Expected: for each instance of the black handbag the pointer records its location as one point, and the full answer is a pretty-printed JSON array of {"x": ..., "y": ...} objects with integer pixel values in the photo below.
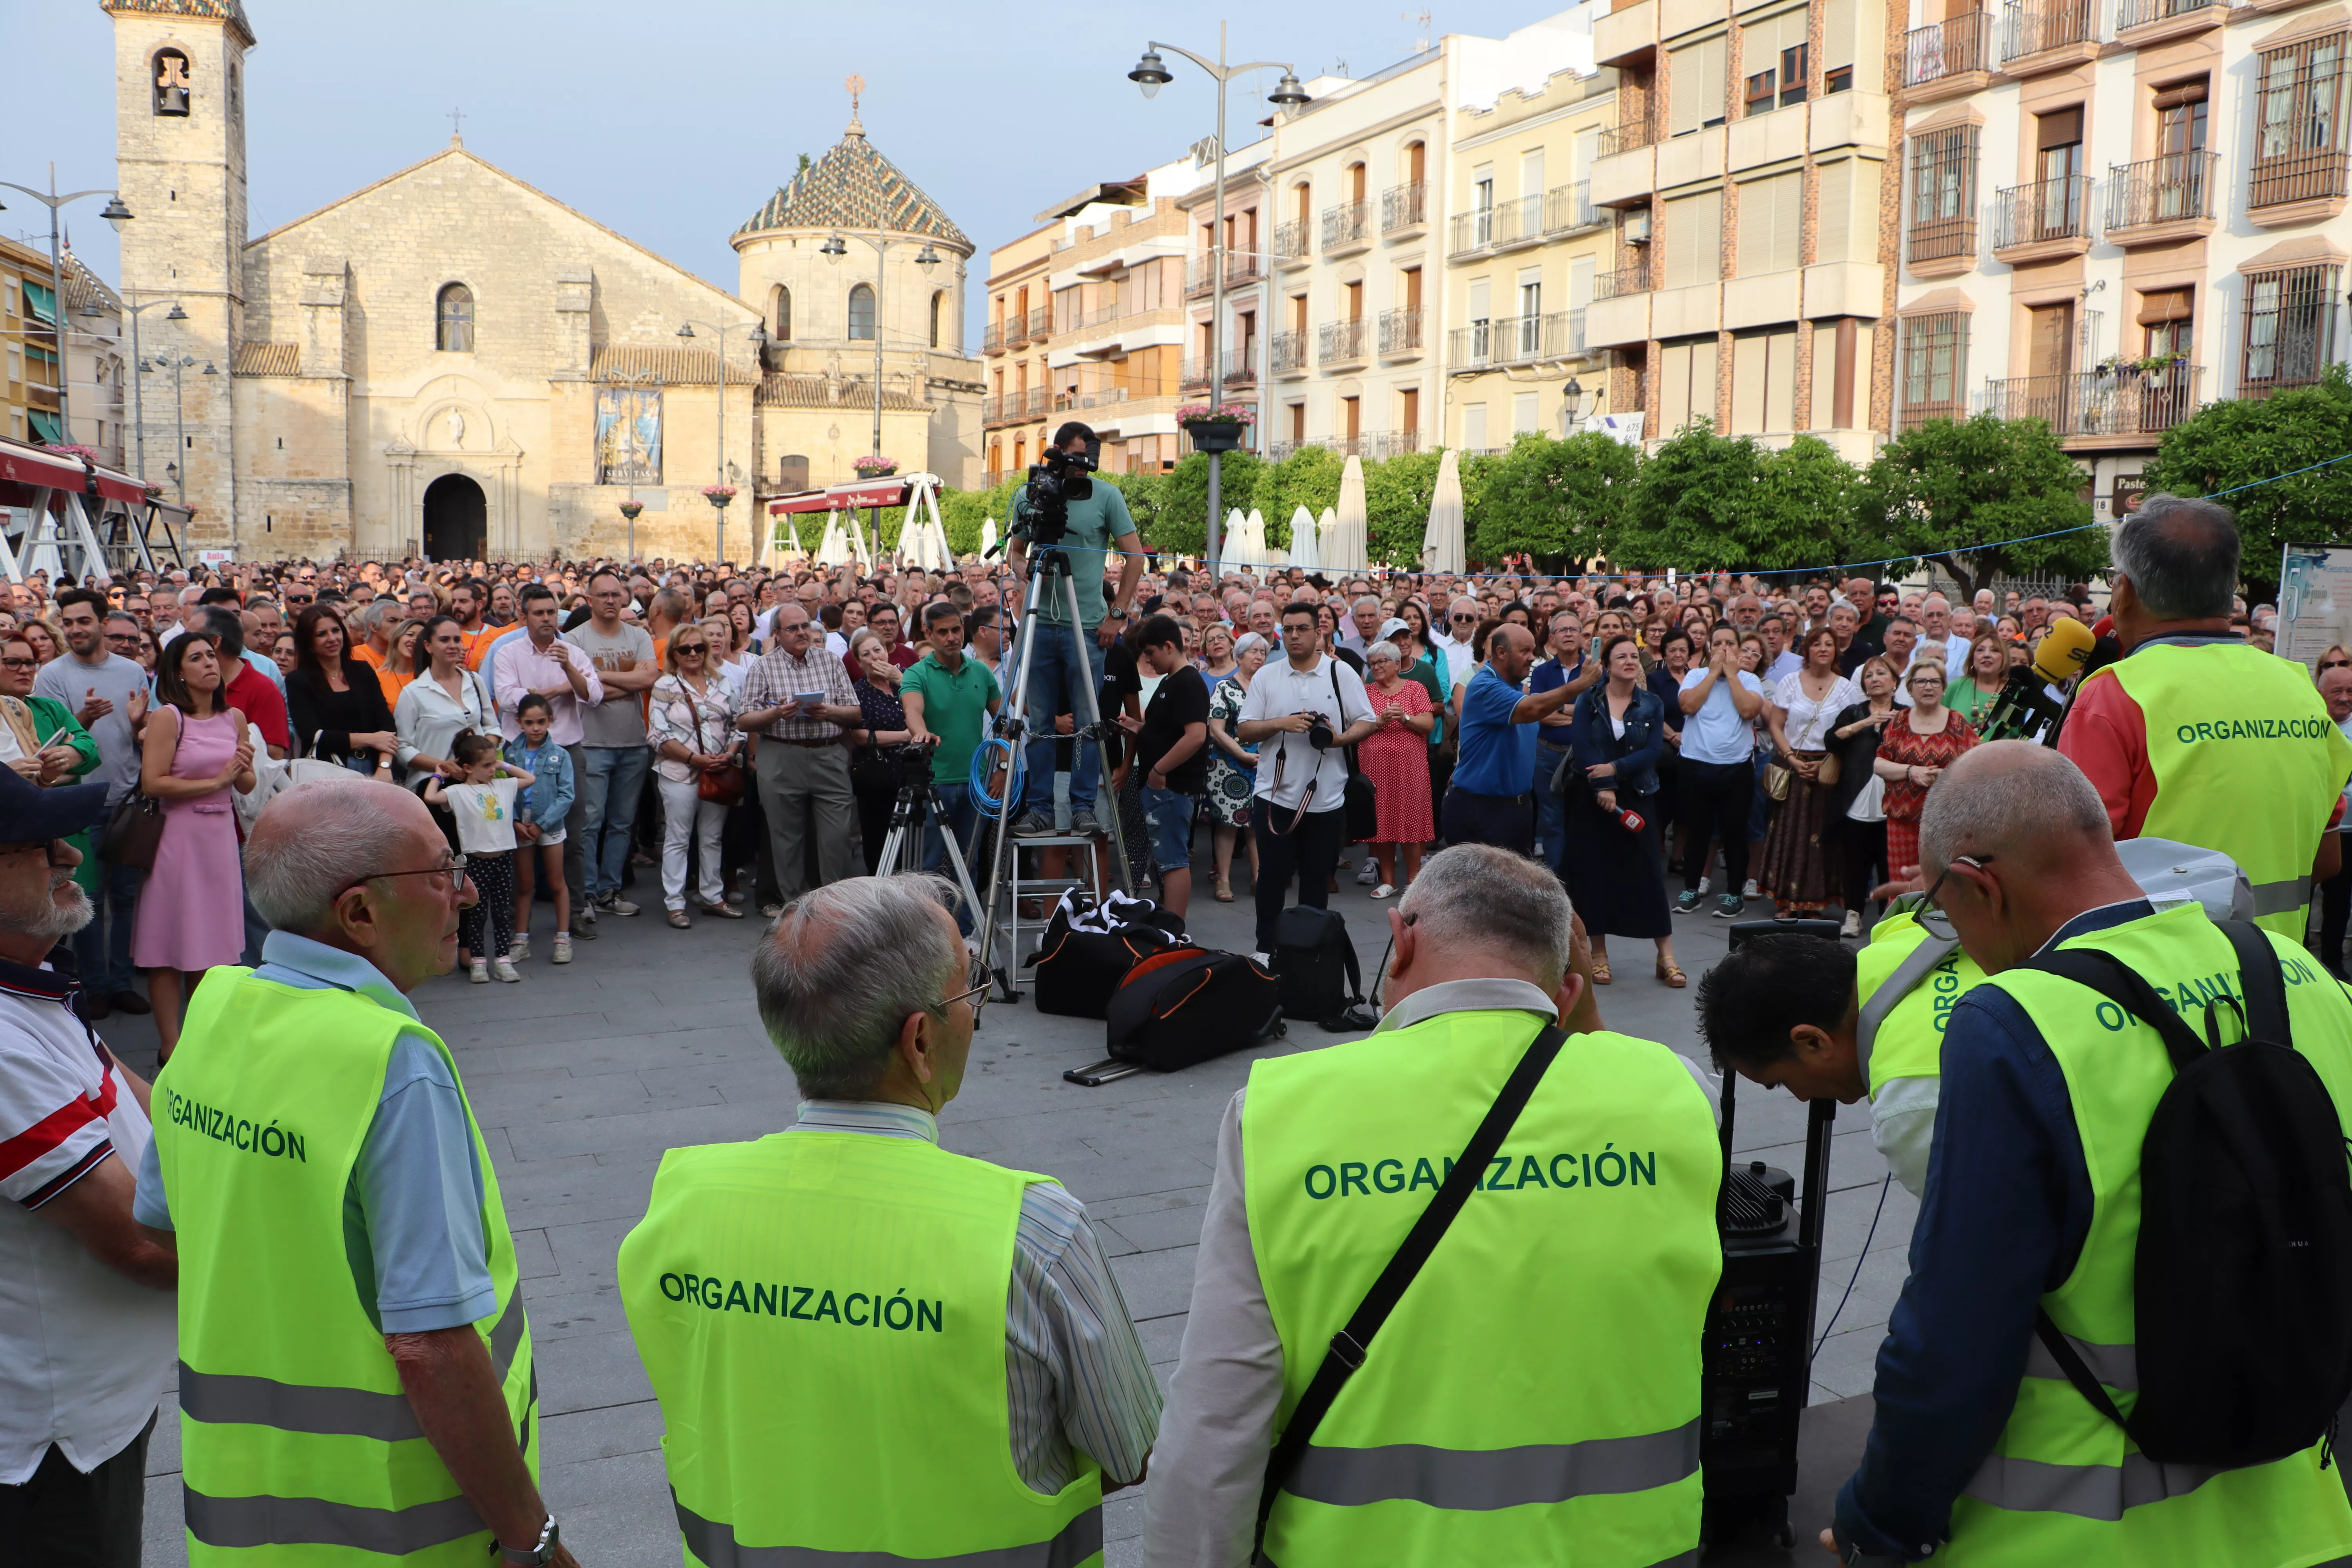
[
  {"x": 1362, "y": 813},
  {"x": 134, "y": 828}
]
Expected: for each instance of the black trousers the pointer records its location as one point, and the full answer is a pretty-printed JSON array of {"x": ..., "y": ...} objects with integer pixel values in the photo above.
[
  {"x": 1506, "y": 821},
  {"x": 1311, "y": 850},
  {"x": 487, "y": 930},
  {"x": 61, "y": 1518},
  {"x": 1717, "y": 799},
  {"x": 2336, "y": 914},
  {"x": 1865, "y": 861}
]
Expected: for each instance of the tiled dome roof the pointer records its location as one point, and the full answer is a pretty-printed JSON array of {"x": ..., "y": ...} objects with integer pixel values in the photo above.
[
  {"x": 229, "y": 11},
  {"x": 852, "y": 186}
]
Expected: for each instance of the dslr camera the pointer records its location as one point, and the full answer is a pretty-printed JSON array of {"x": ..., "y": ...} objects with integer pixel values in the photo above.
[
  {"x": 1318, "y": 732},
  {"x": 1053, "y": 484}
]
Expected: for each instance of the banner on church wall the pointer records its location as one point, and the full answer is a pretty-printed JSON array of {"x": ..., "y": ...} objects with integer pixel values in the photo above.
[{"x": 629, "y": 435}]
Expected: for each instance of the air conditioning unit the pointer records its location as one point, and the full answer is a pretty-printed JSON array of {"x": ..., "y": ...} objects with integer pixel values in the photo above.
[{"x": 1637, "y": 226}]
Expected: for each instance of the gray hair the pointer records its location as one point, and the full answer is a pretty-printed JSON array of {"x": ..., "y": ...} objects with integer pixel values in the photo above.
[
  {"x": 2004, "y": 795},
  {"x": 1480, "y": 897},
  {"x": 1376, "y": 651},
  {"x": 315, "y": 840},
  {"x": 380, "y": 613},
  {"x": 2181, "y": 555},
  {"x": 841, "y": 969},
  {"x": 1248, "y": 641}
]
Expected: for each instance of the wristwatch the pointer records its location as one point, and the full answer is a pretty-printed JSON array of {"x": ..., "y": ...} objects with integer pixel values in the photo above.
[{"x": 533, "y": 1556}]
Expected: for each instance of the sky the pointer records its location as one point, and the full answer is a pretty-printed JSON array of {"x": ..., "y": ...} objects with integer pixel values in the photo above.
[{"x": 672, "y": 122}]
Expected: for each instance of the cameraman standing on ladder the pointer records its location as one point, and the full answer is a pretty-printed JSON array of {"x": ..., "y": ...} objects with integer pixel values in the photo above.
[{"x": 1097, "y": 524}]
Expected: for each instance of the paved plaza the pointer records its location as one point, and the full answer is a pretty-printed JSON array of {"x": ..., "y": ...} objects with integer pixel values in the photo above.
[{"x": 582, "y": 1076}]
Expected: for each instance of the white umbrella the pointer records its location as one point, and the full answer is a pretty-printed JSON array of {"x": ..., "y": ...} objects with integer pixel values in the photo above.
[
  {"x": 1268, "y": 556},
  {"x": 830, "y": 550},
  {"x": 1237, "y": 553},
  {"x": 1442, "y": 545},
  {"x": 1348, "y": 547},
  {"x": 1305, "y": 552},
  {"x": 987, "y": 535},
  {"x": 1325, "y": 527}
]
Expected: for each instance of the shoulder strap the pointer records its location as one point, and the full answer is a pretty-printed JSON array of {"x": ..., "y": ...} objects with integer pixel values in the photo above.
[
  {"x": 1352, "y": 1344},
  {"x": 1913, "y": 968},
  {"x": 2262, "y": 982}
]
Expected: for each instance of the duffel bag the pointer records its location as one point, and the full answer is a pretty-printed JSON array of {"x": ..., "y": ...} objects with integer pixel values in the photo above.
[{"x": 1187, "y": 1005}]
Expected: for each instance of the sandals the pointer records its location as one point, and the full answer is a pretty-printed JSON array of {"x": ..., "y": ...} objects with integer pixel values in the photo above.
[
  {"x": 1601, "y": 969},
  {"x": 1225, "y": 891},
  {"x": 1672, "y": 976},
  {"x": 1385, "y": 891}
]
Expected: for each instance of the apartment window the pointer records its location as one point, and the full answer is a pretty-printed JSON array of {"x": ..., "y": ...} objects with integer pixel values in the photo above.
[
  {"x": 1298, "y": 312},
  {"x": 2169, "y": 317},
  {"x": 1695, "y": 83},
  {"x": 1686, "y": 383},
  {"x": 1473, "y": 427},
  {"x": 1694, "y": 239},
  {"x": 2299, "y": 152},
  {"x": 2180, "y": 113},
  {"x": 2058, "y": 144},
  {"x": 1841, "y": 44},
  {"x": 1410, "y": 287},
  {"x": 1777, "y": 58},
  {"x": 1848, "y": 225},
  {"x": 2290, "y": 327},
  {"x": 1944, "y": 194},
  {"x": 1297, "y": 424},
  {"x": 1351, "y": 415},
  {"x": 1842, "y": 351},
  {"x": 1352, "y": 296},
  {"x": 1770, "y": 219},
  {"x": 1935, "y": 367},
  {"x": 1761, "y": 87},
  {"x": 1764, "y": 382},
  {"x": 1408, "y": 411},
  {"x": 1838, "y": 78}
]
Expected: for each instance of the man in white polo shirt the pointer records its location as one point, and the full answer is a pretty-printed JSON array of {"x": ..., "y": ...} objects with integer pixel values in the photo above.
[{"x": 86, "y": 1336}]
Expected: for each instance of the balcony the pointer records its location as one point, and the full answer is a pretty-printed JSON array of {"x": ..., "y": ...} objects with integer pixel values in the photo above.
[
  {"x": 1196, "y": 374},
  {"x": 2118, "y": 407},
  {"x": 1346, "y": 227},
  {"x": 1624, "y": 281},
  {"x": 1400, "y": 333},
  {"x": 1200, "y": 277},
  {"x": 1626, "y": 137},
  {"x": 1403, "y": 208},
  {"x": 1065, "y": 401},
  {"x": 1517, "y": 339},
  {"x": 2162, "y": 199},
  {"x": 2048, "y": 35},
  {"x": 1947, "y": 59},
  {"x": 1289, "y": 354},
  {"x": 1014, "y": 407},
  {"x": 992, "y": 342},
  {"x": 1290, "y": 243},
  {"x": 1040, "y": 322},
  {"x": 1942, "y": 246},
  {"x": 2042, "y": 222},
  {"x": 1016, "y": 332},
  {"x": 1243, "y": 268},
  {"x": 1626, "y": 36},
  {"x": 1506, "y": 225},
  {"x": 1568, "y": 208},
  {"x": 1341, "y": 343},
  {"x": 2143, "y": 22},
  {"x": 2297, "y": 186}
]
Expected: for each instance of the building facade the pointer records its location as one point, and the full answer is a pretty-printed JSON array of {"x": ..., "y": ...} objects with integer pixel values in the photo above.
[{"x": 451, "y": 362}]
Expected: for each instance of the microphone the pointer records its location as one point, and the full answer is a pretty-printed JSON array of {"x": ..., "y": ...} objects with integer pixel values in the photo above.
[
  {"x": 2024, "y": 711},
  {"x": 2066, "y": 648}
]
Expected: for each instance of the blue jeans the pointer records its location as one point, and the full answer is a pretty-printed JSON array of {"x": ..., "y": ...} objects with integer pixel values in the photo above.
[
  {"x": 1055, "y": 686},
  {"x": 1552, "y": 811},
  {"x": 104, "y": 958},
  {"x": 610, "y": 784},
  {"x": 1170, "y": 816}
]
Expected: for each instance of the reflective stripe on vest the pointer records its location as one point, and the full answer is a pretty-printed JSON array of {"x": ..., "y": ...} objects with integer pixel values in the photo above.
[
  {"x": 714, "y": 1546},
  {"x": 1475, "y": 1478},
  {"x": 2118, "y": 1366},
  {"x": 2282, "y": 898},
  {"x": 260, "y": 1521},
  {"x": 1931, "y": 951},
  {"x": 2088, "y": 1491}
]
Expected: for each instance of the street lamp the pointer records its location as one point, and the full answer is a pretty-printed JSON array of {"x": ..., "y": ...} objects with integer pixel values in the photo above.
[
  {"x": 759, "y": 336},
  {"x": 114, "y": 212},
  {"x": 1152, "y": 74},
  {"x": 138, "y": 387},
  {"x": 1571, "y": 407},
  {"x": 172, "y": 469},
  {"x": 833, "y": 250}
]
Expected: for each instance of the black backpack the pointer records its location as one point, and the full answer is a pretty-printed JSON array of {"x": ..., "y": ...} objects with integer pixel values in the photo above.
[
  {"x": 1316, "y": 963},
  {"x": 1188, "y": 1005},
  {"x": 1079, "y": 969},
  {"x": 2243, "y": 1288}
]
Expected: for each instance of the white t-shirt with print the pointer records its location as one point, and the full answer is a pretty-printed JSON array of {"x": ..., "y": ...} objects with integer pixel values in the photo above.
[{"x": 484, "y": 814}]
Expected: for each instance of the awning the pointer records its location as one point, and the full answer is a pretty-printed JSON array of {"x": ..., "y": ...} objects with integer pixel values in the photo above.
[
  {"x": 808, "y": 501},
  {"x": 43, "y": 301},
  {"x": 891, "y": 492},
  {"x": 119, "y": 487},
  {"x": 48, "y": 428}
]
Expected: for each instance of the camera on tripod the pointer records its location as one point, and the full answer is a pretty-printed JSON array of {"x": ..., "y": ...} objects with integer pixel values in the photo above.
[
  {"x": 913, "y": 761},
  {"x": 1053, "y": 484}
]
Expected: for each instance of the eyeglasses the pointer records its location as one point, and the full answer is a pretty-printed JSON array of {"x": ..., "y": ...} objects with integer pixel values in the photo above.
[
  {"x": 693, "y": 647},
  {"x": 20, "y": 663},
  {"x": 1460, "y": 617},
  {"x": 2336, "y": 664},
  {"x": 453, "y": 868},
  {"x": 975, "y": 992},
  {"x": 1931, "y": 915}
]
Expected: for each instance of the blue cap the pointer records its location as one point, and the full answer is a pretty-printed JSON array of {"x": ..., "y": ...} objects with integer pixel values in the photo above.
[{"x": 31, "y": 815}]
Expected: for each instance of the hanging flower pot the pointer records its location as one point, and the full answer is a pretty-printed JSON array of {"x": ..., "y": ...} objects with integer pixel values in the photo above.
[
  {"x": 630, "y": 509},
  {"x": 876, "y": 467},
  {"x": 1216, "y": 429},
  {"x": 719, "y": 495}
]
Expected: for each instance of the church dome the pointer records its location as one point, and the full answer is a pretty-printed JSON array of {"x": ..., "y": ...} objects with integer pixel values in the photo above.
[{"x": 853, "y": 186}]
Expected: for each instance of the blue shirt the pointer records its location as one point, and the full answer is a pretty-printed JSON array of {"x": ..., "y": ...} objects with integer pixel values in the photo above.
[
  {"x": 2007, "y": 1210},
  {"x": 413, "y": 1210},
  {"x": 1497, "y": 756},
  {"x": 1550, "y": 676}
]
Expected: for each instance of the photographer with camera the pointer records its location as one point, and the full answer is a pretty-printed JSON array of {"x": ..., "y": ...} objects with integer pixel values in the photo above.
[{"x": 1061, "y": 509}]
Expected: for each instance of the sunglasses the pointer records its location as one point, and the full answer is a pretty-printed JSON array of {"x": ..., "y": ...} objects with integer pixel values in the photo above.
[
  {"x": 693, "y": 647},
  {"x": 2336, "y": 664}
]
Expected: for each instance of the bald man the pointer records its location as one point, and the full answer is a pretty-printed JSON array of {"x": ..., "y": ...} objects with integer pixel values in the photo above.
[
  {"x": 2032, "y": 1206},
  {"x": 1488, "y": 801}
]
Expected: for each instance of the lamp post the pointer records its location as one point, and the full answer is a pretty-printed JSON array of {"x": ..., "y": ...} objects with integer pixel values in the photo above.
[
  {"x": 833, "y": 250},
  {"x": 116, "y": 214},
  {"x": 138, "y": 387},
  {"x": 1152, "y": 74},
  {"x": 1571, "y": 407},
  {"x": 759, "y": 335},
  {"x": 176, "y": 469}
]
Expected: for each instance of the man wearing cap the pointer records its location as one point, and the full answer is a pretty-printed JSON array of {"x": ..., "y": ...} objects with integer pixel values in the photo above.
[{"x": 86, "y": 1309}]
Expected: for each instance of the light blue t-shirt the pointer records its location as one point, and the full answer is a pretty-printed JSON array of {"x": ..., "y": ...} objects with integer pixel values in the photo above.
[
  {"x": 1497, "y": 756},
  {"x": 1717, "y": 733},
  {"x": 413, "y": 1210}
]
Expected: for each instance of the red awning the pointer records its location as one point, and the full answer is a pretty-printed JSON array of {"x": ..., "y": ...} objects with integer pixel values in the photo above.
[
  {"x": 808, "y": 501},
  {"x": 36, "y": 469},
  {"x": 891, "y": 492},
  {"x": 120, "y": 487}
]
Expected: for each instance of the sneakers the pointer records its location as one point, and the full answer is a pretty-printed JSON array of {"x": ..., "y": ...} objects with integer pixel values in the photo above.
[
  {"x": 614, "y": 904},
  {"x": 519, "y": 949},
  {"x": 1687, "y": 901},
  {"x": 480, "y": 972},
  {"x": 1750, "y": 890},
  {"x": 1085, "y": 822},
  {"x": 583, "y": 923},
  {"x": 1853, "y": 926},
  {"x": 1704, "y": 884},
  {"x": 1369, "y": 875},
  {"x": 1034, "y": 825},
  {"x": 562, "y": 948},
  {"x": 504, "y": 970},
  {"x": 1730, "y": 907}
]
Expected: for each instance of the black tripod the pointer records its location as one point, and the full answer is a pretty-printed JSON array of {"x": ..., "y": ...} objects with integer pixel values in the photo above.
[{"x": 919, "y": 805}]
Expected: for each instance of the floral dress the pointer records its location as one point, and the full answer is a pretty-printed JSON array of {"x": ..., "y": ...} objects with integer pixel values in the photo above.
[{"x": 1230, "y": 784}]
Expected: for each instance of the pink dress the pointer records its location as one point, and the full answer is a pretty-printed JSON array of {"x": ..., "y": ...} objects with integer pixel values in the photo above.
[{"x": 192, "y": 910}]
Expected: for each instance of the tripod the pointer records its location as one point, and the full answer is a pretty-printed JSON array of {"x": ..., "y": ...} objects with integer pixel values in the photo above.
[
  {"x": 1053, "y": 565},
  {"x": 919, "y": 803}
]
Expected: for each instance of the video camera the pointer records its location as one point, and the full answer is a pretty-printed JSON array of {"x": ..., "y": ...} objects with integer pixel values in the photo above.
[
  {"x": 1053, "y": 485},
  {"x": 913, "y": 761}
]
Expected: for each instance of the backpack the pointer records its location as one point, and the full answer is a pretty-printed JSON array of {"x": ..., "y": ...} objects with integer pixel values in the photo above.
[
  {"x": 2243, "y": 1284},
  {"x": 1187, "y": 1005},
  {"x": 1316, "y": 965},
  {"x": 1088, "y": 950}
]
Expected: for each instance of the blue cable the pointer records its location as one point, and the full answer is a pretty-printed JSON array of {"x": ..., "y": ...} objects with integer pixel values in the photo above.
[{"x": 983, "y": 768}]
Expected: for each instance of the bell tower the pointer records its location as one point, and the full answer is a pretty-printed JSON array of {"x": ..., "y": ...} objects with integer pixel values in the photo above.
[{"x": 179, "y": 137}]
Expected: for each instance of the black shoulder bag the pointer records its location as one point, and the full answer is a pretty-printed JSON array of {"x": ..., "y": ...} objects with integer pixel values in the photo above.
[
  {"x": 1353, "y": 1344},
  {"x": 1362, "y": 816}
]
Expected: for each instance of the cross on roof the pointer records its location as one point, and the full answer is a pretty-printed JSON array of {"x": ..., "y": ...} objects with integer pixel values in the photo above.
[
  {"x": 856, "y": 85},
  {"x": 455, "y": 130}
]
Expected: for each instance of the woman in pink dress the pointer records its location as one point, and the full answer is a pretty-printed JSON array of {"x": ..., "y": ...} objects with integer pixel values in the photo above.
[
  {"x": 192, "y": 910},
  {"x": 1395, "y": 757}
]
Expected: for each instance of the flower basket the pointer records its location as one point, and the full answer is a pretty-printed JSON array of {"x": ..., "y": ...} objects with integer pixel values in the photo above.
[
  {"x": 875, "y": 468},
  {"x": 630, "y": 509},
  {"x": 719, "y": 495},
  {"x": 1216, "y": 429}
]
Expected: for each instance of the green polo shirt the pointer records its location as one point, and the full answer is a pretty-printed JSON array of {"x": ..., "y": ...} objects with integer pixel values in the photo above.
[{"x": 955, "y": 709}]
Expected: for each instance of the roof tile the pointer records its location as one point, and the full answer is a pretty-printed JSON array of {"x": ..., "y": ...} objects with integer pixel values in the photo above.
[{"x": 853, "y": 186}]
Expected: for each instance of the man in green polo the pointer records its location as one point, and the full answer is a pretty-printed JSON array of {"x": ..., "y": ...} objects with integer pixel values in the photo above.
[{"x": 948, "y": 698}]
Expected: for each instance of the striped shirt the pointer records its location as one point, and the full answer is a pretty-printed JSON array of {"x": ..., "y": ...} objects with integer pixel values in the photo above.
[{"x": 1076, "y": 1377}]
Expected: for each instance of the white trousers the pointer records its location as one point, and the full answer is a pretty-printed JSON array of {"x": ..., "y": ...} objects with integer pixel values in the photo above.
[{"x": 684, "y": 812}]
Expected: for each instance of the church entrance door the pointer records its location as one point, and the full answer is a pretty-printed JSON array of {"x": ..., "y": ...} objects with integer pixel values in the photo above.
[{"x": 457, "y": 519}]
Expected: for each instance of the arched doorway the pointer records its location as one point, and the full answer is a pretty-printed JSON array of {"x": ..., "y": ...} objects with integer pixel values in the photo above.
[{"x": 456, "y": 518}]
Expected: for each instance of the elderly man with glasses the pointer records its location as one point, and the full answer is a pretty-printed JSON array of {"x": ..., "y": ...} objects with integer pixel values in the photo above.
[
  {"x": 355, "y": 1364},
  {"x": 758, "y": 1280}
]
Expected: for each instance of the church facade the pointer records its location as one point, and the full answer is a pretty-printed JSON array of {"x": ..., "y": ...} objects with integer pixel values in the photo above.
[{"x": 451, "y": 363}]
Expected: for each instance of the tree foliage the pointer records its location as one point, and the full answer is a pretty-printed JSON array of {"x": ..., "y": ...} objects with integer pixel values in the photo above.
[
  {"x": 1704, "y": 501},
  {"x": 1310, "y": 477},
  {"x": 2243, "y": 442},
  {"x": 1181, "y": 516},
  {"x": 1557, "y": 500},
  {"x": 1954, "y": 489}
]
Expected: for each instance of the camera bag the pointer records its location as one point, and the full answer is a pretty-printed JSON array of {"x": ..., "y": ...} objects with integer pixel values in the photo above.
[
  {"x": 1088, "y": 950},
  {"x": 1316, "y": 965},
  {"x": 1188, "y": 1003},
  {"x": 2241, "y": 1283}
]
